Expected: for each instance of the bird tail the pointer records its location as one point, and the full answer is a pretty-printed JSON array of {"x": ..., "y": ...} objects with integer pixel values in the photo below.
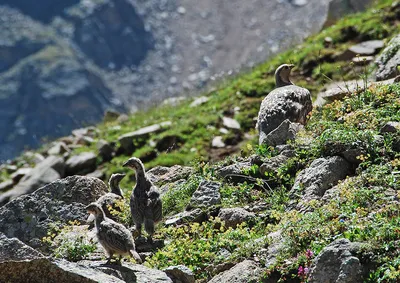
[{"x": 135, "y": 255}]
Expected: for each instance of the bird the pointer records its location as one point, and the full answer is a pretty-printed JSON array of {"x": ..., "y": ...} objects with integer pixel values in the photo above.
[
  {"x": 114, "y": 237},
  {"x": 286, "y": 101},
  {"x": 109, "y": 199},
  {"x": 145, "y": 202}
]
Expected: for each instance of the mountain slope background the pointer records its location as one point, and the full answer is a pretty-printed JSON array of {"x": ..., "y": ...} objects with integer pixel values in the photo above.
[{"x": 63, "y": 64}]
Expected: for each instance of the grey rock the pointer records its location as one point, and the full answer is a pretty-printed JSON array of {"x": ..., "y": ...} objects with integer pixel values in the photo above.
[
  {"x": 34, "y": 157},
  {"x": 180, "y": 274},
  {"x": 111, "y": 116},
  {"x": 284, "y": 132},
  {"x": 199, "y": 101},
  {"x": 338, "y": 8},
  {"x": 126, "y": 140},
  {"x": 237, "y": 168},
  {"x": 106, "y": 151},
  {"x": 274, "y": 248},
  {"x": 391, "y": 127},
  {"x": 195, "y": 215},
  {"x": 288, "y": 102},
  {"x": 97, "y": 174},
  {"x": 81, "y": 164},
  {"x": 6, "y": 185},
  {"x": 235, "y": 216},
  {"x": 365, "y": 48},
  {"x": 322, "y": 175},
  {"x": 389, "y": 60},
  {"x": 42, "y": 174},
  {"x": 30, "y": 217},
  {"x": 12, "y": 249},
  {"x": 218, "y": 142},
  {"x": 271, "y": 165},
  {"x": 21, "y": 172},
  {"x": 230, "y": 123},
  {"x": 85, "y": 132},
  {"x": 161, "y": 174},
  {"x": 58, "y": 148},
  {"x": 206, "y": 195},
  {"x": 362, "y": 60},
  {"x": 245, "y": 272},
  {"x": 338, "y": 262}
]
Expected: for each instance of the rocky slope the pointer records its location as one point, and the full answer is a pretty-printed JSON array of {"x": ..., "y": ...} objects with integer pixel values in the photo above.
[
  {"x": 63, "y": 64},
  {"x": 319, "y": 206}
]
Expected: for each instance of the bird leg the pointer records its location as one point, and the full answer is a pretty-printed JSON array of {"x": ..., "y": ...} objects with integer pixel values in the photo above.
[
  {"x": 119, "y": 260},
  {"x": 109, "y": 258}
]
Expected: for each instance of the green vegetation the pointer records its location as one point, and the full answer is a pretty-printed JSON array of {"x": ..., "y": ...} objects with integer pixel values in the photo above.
[{"x": 365, "y": 207}]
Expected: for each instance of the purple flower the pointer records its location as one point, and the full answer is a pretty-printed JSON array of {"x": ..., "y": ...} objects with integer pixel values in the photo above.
[
  {"x": 309, "y": 254},
  {"x": 300, "y": 272},
  {"x": 306, "y": 270}
]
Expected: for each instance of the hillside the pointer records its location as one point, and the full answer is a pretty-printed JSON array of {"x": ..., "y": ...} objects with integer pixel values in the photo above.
[
  {"x": 87, "y": 56},
  {"x": 321, "y": 208}
]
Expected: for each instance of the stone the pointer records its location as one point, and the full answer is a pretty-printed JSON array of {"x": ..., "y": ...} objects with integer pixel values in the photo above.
[
  {"x": 338, "y": 262},
  {"x": 230, "y": 123},
  {"x": 34, "y": 157},
  {"x": 58, "y": 148},
  {"x": 6, "y": 185},
  {"x": 81, "y": 164},
  {"x": 290, "y": 102},
  {"x": 199, "y": 101},
  {"x": 83, "y": 140},
  {"x": 180, "y": 273},
  {"x": 123, "y": 118},
  {"x": 169, "y": 143},
  {"x": 126, "y": 140},
  {"x": 245, "y": 272},
  {"x": 206, "y": 195},
  {"x": 160, "y": 175},
  {"x": 21, "y": 172},
  {"x": 106, "y": 151},
  {"x": 271, "y": 165},
  {"x": 323, "y": 174},
  {"x": 236, "y": 168},
  {"x": 284, "y": 132},
  {"x": 42, "y": 174},
  {"x": 195, "y": 215},
  {"x": 111, "y": 116},
  {"x": 97, "y": 174},
  {"x": 12, "y": 249},
  {"x": 144, "y": 245},
  {"x": 235, "y": 216},
  {"x": 30, "y": 217},
  {"x": 218, "y": 142},
  {"x": 362, "y": 60},
  {"x": 85, "y": 132},
  {"x": 389, "y": 60},
  {"x": 365, "y": 48},
  {"x": 391, "y": 127}
]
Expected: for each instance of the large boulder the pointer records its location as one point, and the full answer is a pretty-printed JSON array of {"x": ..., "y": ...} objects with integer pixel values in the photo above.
[
  {"x": 389, "y": 60},
  {"x": 245, "y": 272},
  {"x": 322, "y": 175},
  {"x": 30, "y": 217},
  {"x": 45, "y": 172},
  {"x": 338, "y": 262}
]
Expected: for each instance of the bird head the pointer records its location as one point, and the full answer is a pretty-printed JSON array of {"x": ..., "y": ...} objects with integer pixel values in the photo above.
[
  {"x": 116, "y": 178},
  {"x": 282, "y": 75},
  {"x": 134, "y": 163},
  {"x": 94, "y": 208}
]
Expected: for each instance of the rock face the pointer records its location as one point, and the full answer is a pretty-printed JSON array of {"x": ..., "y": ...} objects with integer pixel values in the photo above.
[
  {"x": 320, "y": 176},
  {"x": 206, "y": 195},
  {"x": 245, "y": 272},
  {"x": 389, "y": 60},
  {"x": 21, "y": 263},
  {"x": 76, "y": 59},
  {"x": 30, "y": 216},
  {"x": 337, "y": 263},
  {"x": 291, "y": 103}
]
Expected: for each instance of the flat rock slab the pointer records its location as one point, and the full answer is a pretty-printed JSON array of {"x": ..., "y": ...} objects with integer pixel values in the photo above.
[
  {"x": 81, "y": 164},
  {"x": 245, "y": 272},
  {"x": 206, "y": 195},
  {"x": 30, "y": 217}
]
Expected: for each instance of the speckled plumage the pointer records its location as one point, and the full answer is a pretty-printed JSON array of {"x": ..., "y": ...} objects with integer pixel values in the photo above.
[
  {"x": 110, "y": 198},
  {"x": 114, "y": 237},
  {"x": 286, "y": 101},
  {"x": 145, "y": 202}
]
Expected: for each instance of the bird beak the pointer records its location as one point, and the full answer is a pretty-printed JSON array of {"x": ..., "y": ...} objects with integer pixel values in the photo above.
[
  {"x": 125, "y": 164},
  {"x": 291, "y": 66}
]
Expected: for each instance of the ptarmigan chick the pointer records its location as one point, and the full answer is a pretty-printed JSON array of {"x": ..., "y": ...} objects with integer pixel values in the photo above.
[
  {"x": 145, "y": 203},
  {"x": 109, "y": 199},
  {"x": 114, "y": 237}
]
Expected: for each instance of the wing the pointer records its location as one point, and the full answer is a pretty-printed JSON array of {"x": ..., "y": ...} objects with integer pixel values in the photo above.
[{"x": 115, "y": 237}]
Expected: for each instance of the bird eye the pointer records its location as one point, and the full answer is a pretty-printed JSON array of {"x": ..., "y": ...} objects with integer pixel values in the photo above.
[{"x": 286, "y": 67}]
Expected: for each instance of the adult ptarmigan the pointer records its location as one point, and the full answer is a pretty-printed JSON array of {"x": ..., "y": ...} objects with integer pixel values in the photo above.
[{"x": 286, "y": 101}]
